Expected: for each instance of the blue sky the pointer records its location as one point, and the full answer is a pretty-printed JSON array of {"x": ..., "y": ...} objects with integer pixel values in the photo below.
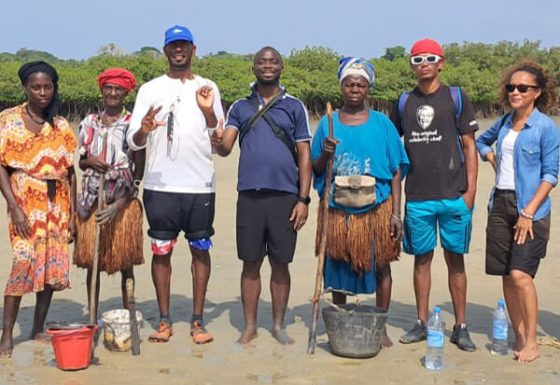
[{"x": 78, "y": 28}]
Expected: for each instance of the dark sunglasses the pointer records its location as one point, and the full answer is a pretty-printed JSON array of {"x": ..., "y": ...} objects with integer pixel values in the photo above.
[{"x": 522, "y": 88}]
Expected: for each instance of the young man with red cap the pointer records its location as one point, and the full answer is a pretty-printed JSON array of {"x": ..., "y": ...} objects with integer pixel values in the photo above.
[
  {"x": 437, "y": 123},
  {"x": 175, "y": 113}
]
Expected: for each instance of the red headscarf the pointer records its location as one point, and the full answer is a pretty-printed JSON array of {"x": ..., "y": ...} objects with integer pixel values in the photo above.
[{"x": 118, "y": 76}]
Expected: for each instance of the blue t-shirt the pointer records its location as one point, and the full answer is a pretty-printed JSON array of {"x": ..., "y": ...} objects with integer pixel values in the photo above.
[
  {"x": 372, "y": 148},
  {"x": 265, "y": 162}
]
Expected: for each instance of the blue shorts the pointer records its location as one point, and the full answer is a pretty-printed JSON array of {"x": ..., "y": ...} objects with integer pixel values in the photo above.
[{"x": 421, "y": 225}]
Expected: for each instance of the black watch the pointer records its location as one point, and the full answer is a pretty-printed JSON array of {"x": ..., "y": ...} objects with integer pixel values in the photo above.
[{"x": 304, "y": 200}]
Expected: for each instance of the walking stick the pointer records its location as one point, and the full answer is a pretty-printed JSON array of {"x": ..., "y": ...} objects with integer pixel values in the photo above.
[
  {"x": 135, "y": 337},
  {"x": 95, "y": 264},
  {"x": 312, "y": 343}
]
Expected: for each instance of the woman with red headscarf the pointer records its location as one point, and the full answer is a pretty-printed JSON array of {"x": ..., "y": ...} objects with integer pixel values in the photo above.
[{"x": 104, "y": 151}]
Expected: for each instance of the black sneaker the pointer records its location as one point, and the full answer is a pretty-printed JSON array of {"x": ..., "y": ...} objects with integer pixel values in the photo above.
[
  {"x": 461, "y": 338},
  {"x": 418, "y": 333}
]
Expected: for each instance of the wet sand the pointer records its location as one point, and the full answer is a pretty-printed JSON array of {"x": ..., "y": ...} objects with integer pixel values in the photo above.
[{"x": 264, "y": 361}]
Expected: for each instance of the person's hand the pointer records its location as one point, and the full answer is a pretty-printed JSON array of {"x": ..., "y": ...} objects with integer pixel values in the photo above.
[
  {"x": 491, "y": 157},
  {"x": 72, "y": 229},
  {"x": 20, "y": 223},
  {"x": 218, "y": 134},
  {"x": 523, "y": 228},
  {"x": 97, "y": 164},
  {"x": 205, "y": 97},
  {"x": 109, "y": 213},
  {"x": 329, "y": 146},
  {"x": 149, "y": 122},
  {"x": 396, "y": 228},
  {"x": 468, "y": 197},
  {"x": 299, "y": 215}
]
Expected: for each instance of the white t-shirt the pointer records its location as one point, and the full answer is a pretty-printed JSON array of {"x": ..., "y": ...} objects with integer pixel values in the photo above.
[
  {"x": 185, "y": 164},
  {"x": 506, "y": 174}
]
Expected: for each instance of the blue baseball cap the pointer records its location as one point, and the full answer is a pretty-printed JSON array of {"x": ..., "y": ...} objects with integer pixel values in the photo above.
[{"x": 178, "y": 32}]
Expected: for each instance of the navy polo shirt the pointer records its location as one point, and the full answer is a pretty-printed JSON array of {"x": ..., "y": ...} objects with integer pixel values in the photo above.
[{"x": 265, "y": 162}]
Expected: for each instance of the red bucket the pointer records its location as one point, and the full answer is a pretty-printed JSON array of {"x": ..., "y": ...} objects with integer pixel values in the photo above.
[{"x": 72, "y": 348}]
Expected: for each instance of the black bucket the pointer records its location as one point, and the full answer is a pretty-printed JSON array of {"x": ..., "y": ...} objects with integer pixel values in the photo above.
[{"x": 355, "y": 330}]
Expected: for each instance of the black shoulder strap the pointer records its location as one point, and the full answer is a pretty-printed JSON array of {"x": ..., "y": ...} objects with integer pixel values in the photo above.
[
  {"x": 281, "y": 134},
  {"x": 278, "y": 131}
]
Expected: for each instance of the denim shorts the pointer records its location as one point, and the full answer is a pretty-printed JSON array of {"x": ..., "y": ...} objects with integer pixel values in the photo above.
[{"x": 423, "y": 219}]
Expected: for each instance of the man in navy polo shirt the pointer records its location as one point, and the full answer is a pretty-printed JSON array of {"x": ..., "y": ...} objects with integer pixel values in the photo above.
[{"x": 274, "y": 182}]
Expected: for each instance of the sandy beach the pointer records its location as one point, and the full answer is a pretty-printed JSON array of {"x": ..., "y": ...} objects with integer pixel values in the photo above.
[{"x": 264, "y": 361}]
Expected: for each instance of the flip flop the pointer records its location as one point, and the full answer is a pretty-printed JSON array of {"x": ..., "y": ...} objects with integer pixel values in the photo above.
[
  {"x": 199, "y": 333},
  {"x": 163, "y": 334}
]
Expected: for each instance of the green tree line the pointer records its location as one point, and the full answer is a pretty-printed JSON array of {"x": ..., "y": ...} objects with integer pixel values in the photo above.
[{"x": 310, "y": 73}]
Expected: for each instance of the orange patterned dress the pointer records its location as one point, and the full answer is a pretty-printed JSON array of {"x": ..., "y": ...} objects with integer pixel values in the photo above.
[{"x": 43, "y": 259}]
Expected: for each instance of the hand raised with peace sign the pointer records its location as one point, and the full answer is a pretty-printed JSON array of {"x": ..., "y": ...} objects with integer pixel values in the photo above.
[{"x": 149, "y": 122}]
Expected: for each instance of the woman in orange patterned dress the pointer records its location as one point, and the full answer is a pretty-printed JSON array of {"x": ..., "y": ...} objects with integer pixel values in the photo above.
[{"x": 38, "y": 182}]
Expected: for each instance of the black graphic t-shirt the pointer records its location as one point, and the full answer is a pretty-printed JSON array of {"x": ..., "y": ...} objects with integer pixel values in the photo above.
[{"x": 437, "y": 167}]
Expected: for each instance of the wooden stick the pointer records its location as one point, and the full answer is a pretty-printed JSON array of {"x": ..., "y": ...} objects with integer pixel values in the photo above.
[
  {"x": 312, "y": 343},
  {"x": 135, "y": 337},
  {"x": 95, "y": 264}
]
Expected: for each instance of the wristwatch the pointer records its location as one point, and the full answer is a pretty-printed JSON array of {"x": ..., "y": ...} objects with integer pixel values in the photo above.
[{"x": 304, "y": 200}]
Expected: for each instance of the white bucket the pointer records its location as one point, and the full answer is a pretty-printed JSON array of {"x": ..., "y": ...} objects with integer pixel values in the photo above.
[{"x": 116, "y": 329}]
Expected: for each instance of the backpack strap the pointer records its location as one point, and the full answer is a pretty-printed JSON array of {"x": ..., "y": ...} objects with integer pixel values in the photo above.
[
  {"x": 457, "y": 102},
  {"x": 457, "y": 98},
  {"x": 403, "y": 97}
]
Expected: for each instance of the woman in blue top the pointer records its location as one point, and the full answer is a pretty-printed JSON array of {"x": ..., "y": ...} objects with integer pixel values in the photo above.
[
  {"x": 526, "y": 165},
  {"x": 361, "y": 241}
]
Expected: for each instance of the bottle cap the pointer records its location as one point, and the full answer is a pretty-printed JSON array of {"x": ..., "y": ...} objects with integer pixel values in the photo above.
[
  {"x": 437, "y": 309},
  {"x": 501, "y": 302}
]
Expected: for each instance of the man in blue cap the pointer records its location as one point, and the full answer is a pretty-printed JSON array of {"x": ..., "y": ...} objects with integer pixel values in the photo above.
[{"x": 174, "y": 114}]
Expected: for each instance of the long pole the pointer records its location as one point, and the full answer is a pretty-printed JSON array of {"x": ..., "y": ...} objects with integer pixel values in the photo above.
[
  {"x": 95, "y": 264},
  {"x": 312, "y": 343}
]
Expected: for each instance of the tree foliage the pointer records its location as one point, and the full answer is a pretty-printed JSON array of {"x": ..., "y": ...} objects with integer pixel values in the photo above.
[{"x": 309, "y": 73}]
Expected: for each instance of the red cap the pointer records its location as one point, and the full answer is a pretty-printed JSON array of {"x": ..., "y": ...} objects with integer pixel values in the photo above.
[{"x": 426, "y": 46}]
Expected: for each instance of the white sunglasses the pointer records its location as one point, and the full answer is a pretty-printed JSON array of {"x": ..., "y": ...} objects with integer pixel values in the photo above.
[{"x": 430, "y": 59}]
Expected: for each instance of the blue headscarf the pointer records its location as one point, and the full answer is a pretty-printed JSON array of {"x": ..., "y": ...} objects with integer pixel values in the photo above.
[{"x": 356, "y": 66}]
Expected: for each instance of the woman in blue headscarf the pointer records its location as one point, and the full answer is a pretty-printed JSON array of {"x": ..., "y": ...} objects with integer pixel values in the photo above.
[{"x": 364, "y": 229}]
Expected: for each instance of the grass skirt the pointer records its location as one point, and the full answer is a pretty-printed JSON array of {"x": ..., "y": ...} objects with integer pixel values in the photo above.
[
  {"x": 351, "y": 237},
  {"x": 120, "y": 243}
]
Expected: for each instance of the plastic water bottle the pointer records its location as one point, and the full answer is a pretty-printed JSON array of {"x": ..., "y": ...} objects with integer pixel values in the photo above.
[
  {"x": 500, "y": 330},
  {"x": 436, "y": 327}
]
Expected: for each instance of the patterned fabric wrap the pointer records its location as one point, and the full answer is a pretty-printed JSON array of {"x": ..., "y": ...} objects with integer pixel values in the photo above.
[
  {"x": 356, "y": 66},
  {"x": 43, "y": 258},
  {"x": 115, "y": 151}
]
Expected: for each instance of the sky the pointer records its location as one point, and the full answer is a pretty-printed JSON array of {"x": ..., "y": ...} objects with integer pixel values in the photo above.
[{"x": 76, "y": 29}]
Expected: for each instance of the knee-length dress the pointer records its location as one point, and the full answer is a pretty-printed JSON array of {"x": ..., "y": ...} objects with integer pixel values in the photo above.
[{"x": 33, "y": 159}]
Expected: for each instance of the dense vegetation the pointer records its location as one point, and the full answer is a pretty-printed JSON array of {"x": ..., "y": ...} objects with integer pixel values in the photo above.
[{"x": 310, "y": 74}]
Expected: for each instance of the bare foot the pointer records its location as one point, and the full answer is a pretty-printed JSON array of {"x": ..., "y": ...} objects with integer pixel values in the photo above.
[
  {"x": 529, "y": 353},
  {"x": 6, "y": 348},
  {"x": 248, "y": 335},
  {"x": 41, "y": 337},
  {"x": 384, "y": 340},
  {"x": 282, "y": 336}
]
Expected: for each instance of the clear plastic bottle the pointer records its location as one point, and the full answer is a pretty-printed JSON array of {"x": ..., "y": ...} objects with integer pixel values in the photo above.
[
  {"x": 436, "y": 328},
  {"x": 500, "y": 330}
]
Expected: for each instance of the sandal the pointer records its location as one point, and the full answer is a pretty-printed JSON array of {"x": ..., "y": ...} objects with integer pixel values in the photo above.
[
  {"x": 163, "y": 334},
  {"x": 199, "y": 333}
]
